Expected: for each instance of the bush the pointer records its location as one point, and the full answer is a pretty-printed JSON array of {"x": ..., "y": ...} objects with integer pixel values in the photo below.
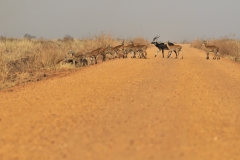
[
  {"x": 140, "y": 41},
  {"x": 67, "y": 38},
  {"x": 28, "y": 36}
]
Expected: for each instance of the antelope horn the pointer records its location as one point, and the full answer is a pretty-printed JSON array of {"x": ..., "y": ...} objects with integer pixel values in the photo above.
[{"x": 155, "y": 38}]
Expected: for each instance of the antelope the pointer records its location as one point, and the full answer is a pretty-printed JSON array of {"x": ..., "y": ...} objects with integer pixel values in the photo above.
[
  {"x": 105, "y": 51},
  {"x": 119, "y": 48},
  {"x": 160, "y": 46},
  {"x": 211, "y": 48},
  {"x": 78, "y": 56},
  {"x": 175, "y": 48},
  {"x": 93, "y": 55},
  {"x": 141, "y": 49},
  {"x": 127, "y": 49}
]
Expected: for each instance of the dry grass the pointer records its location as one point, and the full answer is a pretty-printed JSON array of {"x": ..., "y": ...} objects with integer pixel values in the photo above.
[
  {"x": 228, "y": 47},
  {"x": 23, "y": 59},
  {"x": 141, "y": 41}
]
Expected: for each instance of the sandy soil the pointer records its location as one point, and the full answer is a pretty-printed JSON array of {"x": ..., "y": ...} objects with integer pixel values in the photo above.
[{"x": 136, "y": 109}]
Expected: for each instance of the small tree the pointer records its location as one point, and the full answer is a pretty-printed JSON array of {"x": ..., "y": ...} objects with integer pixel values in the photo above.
[
  {"x": 67, "y": 38},
  {"x": 28, "y": 36}
]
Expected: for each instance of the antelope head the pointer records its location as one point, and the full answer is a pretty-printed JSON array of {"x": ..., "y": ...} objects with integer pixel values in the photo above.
[
  {"x": 155, "y": 40},
  {"x": 204, "y": 42}
]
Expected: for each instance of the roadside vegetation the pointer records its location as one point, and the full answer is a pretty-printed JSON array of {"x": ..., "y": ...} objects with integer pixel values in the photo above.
[
  {"x": 30, "y": 59},
  {"x": 228, "y": 47}
]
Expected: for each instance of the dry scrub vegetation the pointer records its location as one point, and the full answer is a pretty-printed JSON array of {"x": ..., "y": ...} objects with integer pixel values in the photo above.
[
  {"x": 228, "y": 47},
  {"x": 26, "y": 60}
]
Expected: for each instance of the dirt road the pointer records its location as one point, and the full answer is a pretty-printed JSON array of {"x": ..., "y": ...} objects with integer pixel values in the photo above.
[{"x": 155, "y": 108}]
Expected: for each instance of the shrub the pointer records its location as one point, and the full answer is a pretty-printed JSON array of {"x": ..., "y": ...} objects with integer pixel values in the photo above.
[{"x": 141, "y": 41}]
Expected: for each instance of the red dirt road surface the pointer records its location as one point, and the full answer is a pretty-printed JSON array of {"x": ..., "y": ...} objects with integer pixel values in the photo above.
[{"x": 138, "y": 109}]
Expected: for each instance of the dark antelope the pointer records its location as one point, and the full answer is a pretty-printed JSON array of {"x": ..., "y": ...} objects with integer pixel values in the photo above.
[{"x": 160, "y": 46}]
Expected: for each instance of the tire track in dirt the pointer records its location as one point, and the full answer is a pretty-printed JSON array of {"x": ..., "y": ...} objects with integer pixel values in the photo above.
[{"x": 127, "y": 109}]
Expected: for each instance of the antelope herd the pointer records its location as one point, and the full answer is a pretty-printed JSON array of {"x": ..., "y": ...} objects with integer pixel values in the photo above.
[{"x": 123, "y": 50}]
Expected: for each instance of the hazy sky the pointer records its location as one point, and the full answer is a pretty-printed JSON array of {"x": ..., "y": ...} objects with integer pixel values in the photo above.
[{"x": 173, "y": 20}]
